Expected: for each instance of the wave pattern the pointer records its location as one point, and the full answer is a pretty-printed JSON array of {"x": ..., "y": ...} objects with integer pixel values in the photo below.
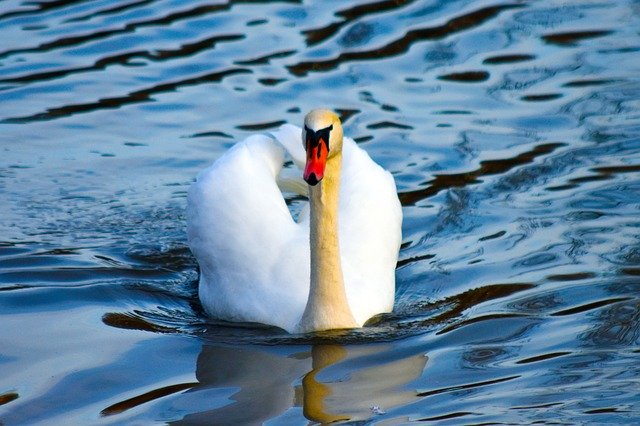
[{"x": 513, "y": 133}]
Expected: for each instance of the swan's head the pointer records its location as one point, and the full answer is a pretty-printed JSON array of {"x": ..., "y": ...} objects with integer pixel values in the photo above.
[{"x": 322, "y": 139}]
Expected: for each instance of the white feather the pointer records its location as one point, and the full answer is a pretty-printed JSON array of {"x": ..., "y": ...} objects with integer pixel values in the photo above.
[{"x": 254, "y": 258}]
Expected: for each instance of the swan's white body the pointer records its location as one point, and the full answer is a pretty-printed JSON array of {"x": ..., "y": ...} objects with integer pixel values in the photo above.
[{"x": 255, "y": 259}]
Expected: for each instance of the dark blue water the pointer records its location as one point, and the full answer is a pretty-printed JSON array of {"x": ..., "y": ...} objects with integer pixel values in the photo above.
[{"x": 513, "y": 133}]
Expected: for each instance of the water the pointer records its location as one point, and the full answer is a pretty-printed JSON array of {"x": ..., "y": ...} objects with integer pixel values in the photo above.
[{"x": 513, "y": 132}]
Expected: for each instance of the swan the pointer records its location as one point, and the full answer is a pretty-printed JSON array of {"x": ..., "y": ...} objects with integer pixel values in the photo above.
[{"x": 333, "y": 267}]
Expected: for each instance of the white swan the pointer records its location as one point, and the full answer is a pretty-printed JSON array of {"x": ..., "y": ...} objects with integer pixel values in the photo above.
[{"x": 333, "y": 268}]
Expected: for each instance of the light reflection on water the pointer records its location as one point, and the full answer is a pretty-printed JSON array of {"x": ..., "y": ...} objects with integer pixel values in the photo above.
[{"x": 513, "y": 133}]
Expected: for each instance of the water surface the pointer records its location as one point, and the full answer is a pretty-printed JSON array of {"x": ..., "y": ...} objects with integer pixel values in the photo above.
[{"x": 512, "y": 130}]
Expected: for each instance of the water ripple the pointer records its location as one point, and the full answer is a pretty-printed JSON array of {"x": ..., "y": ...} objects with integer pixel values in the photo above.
[
  {"x": 402, "y": 45},
  {"x": 168, "y": 19},
  {"x": 487, "y": 167},
  {"x": 143, "y": 95},
  {"x": 318, "y": 35},
  {"x": 126, "y": 58},
  {"x": 511, "y": 129}
]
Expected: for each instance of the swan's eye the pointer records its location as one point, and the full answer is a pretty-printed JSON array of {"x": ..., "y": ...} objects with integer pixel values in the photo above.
[{"x": 314, "y": 138}]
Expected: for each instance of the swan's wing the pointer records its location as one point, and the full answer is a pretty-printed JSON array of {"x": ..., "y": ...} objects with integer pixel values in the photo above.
[
  {"x": 290, "y": 180},
  {"x": 249, "y": 248},
  {"x": 290, "y": 137},
  {"x": 370, "y": 232}
]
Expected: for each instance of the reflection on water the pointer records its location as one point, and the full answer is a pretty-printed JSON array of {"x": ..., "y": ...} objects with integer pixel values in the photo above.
[
  {"x": 262, "y": 385},
  {"x": 513, "y": 133},
  {"x": 248, "y": 384}
]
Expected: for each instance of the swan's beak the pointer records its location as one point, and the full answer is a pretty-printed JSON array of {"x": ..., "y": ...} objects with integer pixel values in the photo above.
[{"x": 317, "y": 153}]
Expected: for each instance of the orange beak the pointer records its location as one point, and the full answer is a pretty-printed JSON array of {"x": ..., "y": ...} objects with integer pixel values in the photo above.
[{"x": 317, "y": 153}]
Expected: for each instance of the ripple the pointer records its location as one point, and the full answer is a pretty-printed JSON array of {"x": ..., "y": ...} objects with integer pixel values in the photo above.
[
  {"x": 606, "y": 410},
  {"x": 410, "y": 260},
  {"x": 6, "y": 398},
  {"x": 212, "y": 133},
  {"x": 571, "y": 38},
  {"x": 466, "y": 77},
  {"x": 572, "y": 277},
  {"x": 543, "y": 97},
  {"x": 109, "y": 10},
  {"x": 543, "y": 357},
  {"x": 42, "y": 7},
  {"x": 316, "y": 36},
  {"x": 131, "y": 27},
  {"x": 508, "y": 59},
  {"x": 533, "y": 407},
  {"x": 139, "y": 96},
  {"x": 402, "y": 45},
  {"x": 126, "y": 58},
  {"x": 493, "y": 236},
  {"x": 271, "y": 81},
  {"x": 611, "y": 170},
  {"x": 590, "y": 82},
  {"x": 467, "y": 386},
  {"x": 261, "y": 126},
  {"x": 256, "y": 22},
  {"x": 128, "y": 404},
  {"x": 262, "y": 60},
  {"x": 536, "y": 260},
  {"x": 388, "y": 125},
  {"x": 132, "y": 322},
  {"x": 358, "y": 34},
  {"x": 604, "y": 173},
  {"x": 477, "y": 319},
  {"x": 589, "y": 306},
  {"x": 448, "y": 416},
  {"x": 487, "y": 167}
]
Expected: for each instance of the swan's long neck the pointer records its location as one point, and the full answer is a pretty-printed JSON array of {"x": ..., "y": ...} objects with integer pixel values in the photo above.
[{"x": 327, "y": 307}]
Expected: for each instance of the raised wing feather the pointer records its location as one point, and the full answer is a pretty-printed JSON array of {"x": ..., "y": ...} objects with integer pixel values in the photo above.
[{"x": 251, "y": 253}]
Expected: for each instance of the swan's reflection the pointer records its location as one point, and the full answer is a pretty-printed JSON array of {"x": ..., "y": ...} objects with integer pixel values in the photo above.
[
  {"x": 338, "y": 382},
  {"x": 251, "y": 385}
]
